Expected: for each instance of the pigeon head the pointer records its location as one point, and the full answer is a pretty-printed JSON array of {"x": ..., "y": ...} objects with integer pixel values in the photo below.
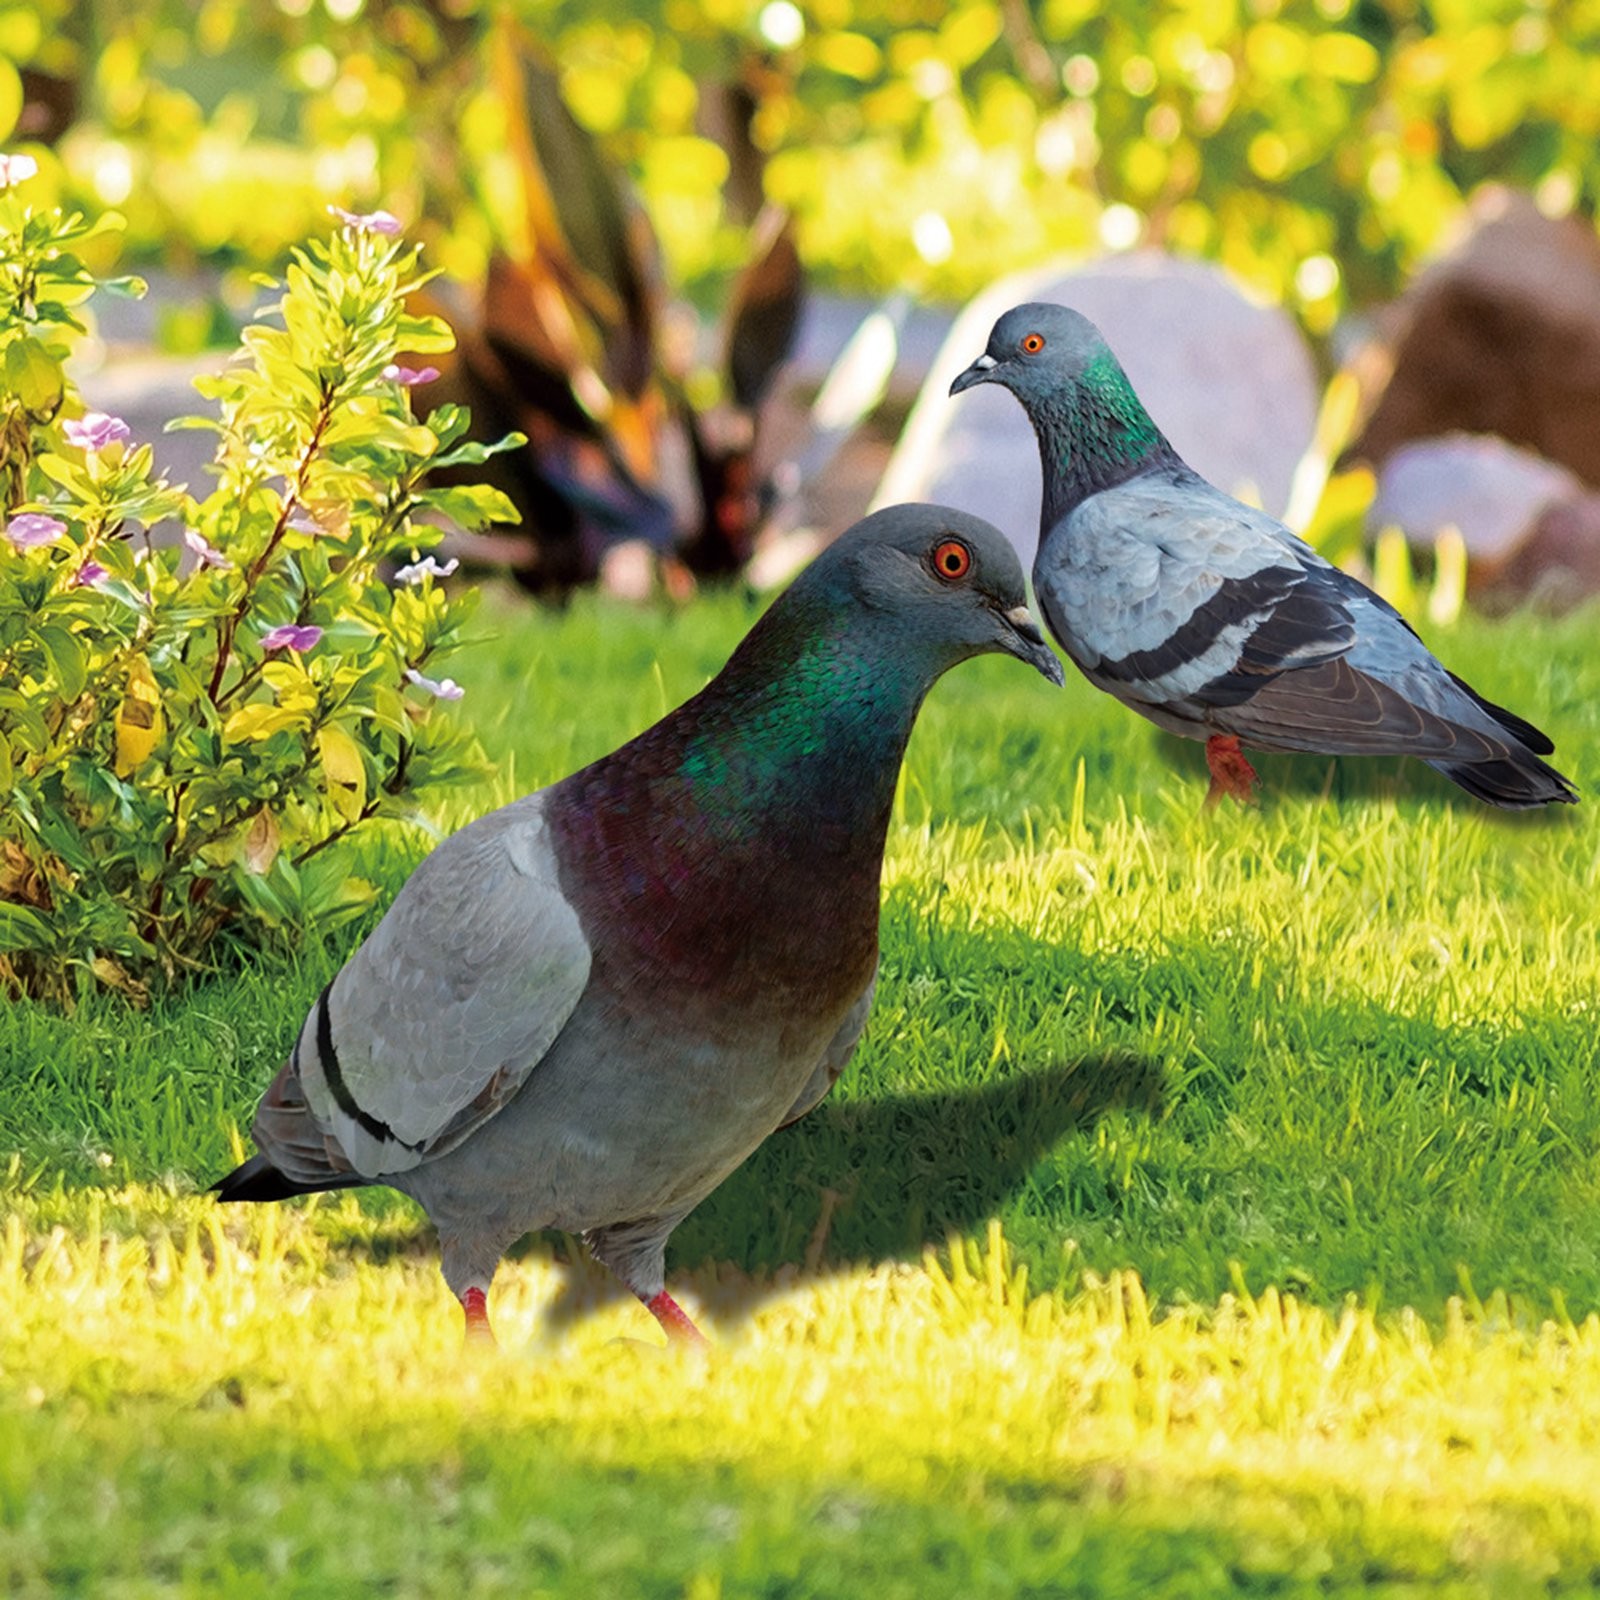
[
  {"x": 931, "y": 585},
  {"x": 1034, "y": 349},
  {"x": 1093, "y": 432}
]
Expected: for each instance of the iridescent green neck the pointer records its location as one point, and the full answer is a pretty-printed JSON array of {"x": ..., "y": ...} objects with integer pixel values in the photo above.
[
  {"x": 1094, "y": 434},
  {"x": 819, "y": 739}
]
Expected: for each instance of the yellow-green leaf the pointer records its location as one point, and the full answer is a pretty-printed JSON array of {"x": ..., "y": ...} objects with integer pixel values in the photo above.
[
  {"x": 260, "y": 722},
  {"x": 139, "y": 719},
  {"x": 33, "y": 374},
  {"x": 344, "y": 770}
]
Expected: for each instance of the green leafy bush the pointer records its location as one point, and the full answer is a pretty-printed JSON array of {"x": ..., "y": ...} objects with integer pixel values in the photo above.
[{"x": 195, "y": 729}]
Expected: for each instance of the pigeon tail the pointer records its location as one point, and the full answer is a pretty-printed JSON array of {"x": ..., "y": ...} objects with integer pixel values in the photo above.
[
  {"x": 1518, "y": 781},
  {"x": 1521, "y": 730},
  {"x": 258, "y": 1179}
]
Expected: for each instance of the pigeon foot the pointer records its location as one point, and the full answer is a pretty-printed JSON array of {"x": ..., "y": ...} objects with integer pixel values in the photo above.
[
  {"x": 1231, "y": 772},
  {"x": 476, "y": 1306},
  {"x": 675, "y": 1320}
]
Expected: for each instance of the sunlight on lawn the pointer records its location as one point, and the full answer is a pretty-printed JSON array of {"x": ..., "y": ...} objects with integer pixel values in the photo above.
[{"x": 1480, "y": 1440}]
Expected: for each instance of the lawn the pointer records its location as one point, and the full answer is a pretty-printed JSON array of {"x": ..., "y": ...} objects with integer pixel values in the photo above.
[{"x": 1210, "y": 1208}]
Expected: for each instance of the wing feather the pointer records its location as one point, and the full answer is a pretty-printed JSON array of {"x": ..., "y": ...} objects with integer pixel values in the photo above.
[{"x": 437, "y": 1020}]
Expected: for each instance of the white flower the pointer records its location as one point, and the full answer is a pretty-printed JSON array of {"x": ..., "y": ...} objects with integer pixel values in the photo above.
[
  {"x": 410, "y": 377},
  {"x": 16, "y": 169},
  {"x": 439, "y": 688},
  {"x": 427, "y": 567},
  {"x": 384, "y": 222},
  {"x": 209, "y": 555}
]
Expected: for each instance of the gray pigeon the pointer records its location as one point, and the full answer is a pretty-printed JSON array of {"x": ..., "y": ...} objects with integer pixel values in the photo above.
[
  {"x": 1211, "y": 618},
  {"x": 585, "y": 1010}
]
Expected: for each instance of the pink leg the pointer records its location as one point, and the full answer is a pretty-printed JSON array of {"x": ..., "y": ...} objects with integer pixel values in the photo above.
[
  {"x": 672, "y": 1317},
  {"x": 476, "y": 1305},
  {"x": 1231, "y": 773}
]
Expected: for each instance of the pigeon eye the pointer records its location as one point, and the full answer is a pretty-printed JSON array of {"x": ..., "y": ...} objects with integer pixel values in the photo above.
[
  {"x": 1032, "y": 343},
  {"x": 952, "y": 560}
]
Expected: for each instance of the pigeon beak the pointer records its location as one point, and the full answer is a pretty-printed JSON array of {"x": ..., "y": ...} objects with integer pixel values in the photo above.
[
  {"x": 981, "y": 371},
  {"x": 1024, "y": 641}
]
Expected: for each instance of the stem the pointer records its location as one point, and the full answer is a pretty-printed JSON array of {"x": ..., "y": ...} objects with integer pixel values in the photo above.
[{"x": 230, "y": 626}]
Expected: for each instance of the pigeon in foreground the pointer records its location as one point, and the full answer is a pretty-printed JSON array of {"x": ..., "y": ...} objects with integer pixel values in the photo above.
[
  {"x": 585, "y": 1010},
  {"x": 1211, "y": 618}
]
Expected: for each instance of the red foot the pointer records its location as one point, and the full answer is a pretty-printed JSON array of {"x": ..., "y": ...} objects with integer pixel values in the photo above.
[
  {"x": 476, "y": 1305},
  {"x": 672, "y": 1317},
  {"x": 1231, "y": 773}
]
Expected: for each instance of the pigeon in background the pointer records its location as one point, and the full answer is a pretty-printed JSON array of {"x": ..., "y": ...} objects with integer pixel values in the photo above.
[
  {"x": 1211, "y": 618},
  {"x": 585, "y": 1009}
]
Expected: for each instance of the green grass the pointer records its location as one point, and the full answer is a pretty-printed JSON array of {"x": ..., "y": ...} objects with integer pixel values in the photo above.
[{"x": 1341, "y": 1046}]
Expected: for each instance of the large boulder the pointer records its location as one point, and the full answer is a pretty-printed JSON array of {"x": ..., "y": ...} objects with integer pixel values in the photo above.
[
  {"x": 1229, "y": 381},
  {"x": 1491, "y": 492},
  {"x": 1500, "y": 335},
  {"x": 1531, "y": 528}
]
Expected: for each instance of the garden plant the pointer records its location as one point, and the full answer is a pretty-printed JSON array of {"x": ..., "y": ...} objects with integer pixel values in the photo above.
[
  {"x": 193, "y": 731},
  {"x": 1209, "y": 1208}
]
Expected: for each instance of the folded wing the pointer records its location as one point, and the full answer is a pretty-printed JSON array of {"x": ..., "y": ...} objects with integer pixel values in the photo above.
[{"x": 437, "y": 1020}]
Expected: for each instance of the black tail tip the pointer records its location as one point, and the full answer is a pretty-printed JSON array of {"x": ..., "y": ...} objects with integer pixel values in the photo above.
[
  {"x": 256, "y": 1179},
  {"x": 1519, "y": 783}
]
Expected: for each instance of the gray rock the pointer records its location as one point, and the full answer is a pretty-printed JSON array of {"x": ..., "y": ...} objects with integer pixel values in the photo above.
[
  {"x": 1488, "y": 489},
  {"x": 1558, "y": 565},
  {"x": 1228, "y": 381}
]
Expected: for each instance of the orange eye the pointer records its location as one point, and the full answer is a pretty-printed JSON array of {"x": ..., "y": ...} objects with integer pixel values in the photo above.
[
  {"x": 1032, "y": 343},
  {"x": 952, "y": 560}
]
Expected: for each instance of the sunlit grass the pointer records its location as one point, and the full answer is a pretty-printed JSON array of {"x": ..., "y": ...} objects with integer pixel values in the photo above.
[
  {"x": 223, "y": 1396},
  {"x": 1263, "y": 1101}
]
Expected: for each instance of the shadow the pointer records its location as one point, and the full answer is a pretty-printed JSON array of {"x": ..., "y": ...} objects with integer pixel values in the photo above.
[
  {"x": 1229, "y": 1146},
  {"x": 873, "y": 1180},
  {"x": 1340, "y": 778}
]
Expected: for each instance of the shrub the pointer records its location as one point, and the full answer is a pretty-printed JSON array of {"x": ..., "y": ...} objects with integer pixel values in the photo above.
[{"x": 195, "y": 730}]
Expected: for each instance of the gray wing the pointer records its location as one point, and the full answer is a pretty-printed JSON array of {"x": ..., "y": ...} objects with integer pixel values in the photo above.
[
  {"x": 1165, "y": 591},
  {"x": 836, "y": 1057},
  {"x": 436, "y": 1021},
  {"x": 1182, "y": 599}
]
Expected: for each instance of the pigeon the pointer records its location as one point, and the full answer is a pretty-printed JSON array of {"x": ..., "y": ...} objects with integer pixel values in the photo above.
[
  {"x": 586, "y": 1009},
  {"x": 1210, "y": 617}
]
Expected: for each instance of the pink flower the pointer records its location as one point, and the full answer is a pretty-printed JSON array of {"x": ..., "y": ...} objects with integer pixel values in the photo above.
[
  {"x": 303, "y": 522},
  {"x": 16, "y": 169},
  {"x": 89, "y": 574},
  {"x": 427, "y": 567},
  {"x": 292, "y": 637},
  {"x": 439, "y": 688},
  {"x": 409, "y": 377},
  {"x": 32, "y": 529},
  {"x": 384, "y": 222},
  {"x": 95, "y": 430},
  {"x": 209, "y": 555}
]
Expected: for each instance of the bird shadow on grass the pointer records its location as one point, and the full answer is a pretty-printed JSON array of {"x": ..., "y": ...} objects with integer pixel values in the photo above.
[
  {"x": 1307, "y": 777},
  {"x": 873, "y": 1180}
]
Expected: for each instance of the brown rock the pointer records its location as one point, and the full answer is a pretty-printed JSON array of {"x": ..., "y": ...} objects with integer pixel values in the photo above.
[{"x": 1500, "y": 335}]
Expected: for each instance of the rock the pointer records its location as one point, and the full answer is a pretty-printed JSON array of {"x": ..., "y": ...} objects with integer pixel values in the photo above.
[
  {"x": 1558, "y": 565},
  {"x": 1230, "y": 383},
  {"x": 1489, "y": 490},
  {"x": 1500, "y": 335}
]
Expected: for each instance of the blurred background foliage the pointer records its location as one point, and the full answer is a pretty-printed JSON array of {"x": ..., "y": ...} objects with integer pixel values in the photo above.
[{"x": 1316, "y": 147}]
